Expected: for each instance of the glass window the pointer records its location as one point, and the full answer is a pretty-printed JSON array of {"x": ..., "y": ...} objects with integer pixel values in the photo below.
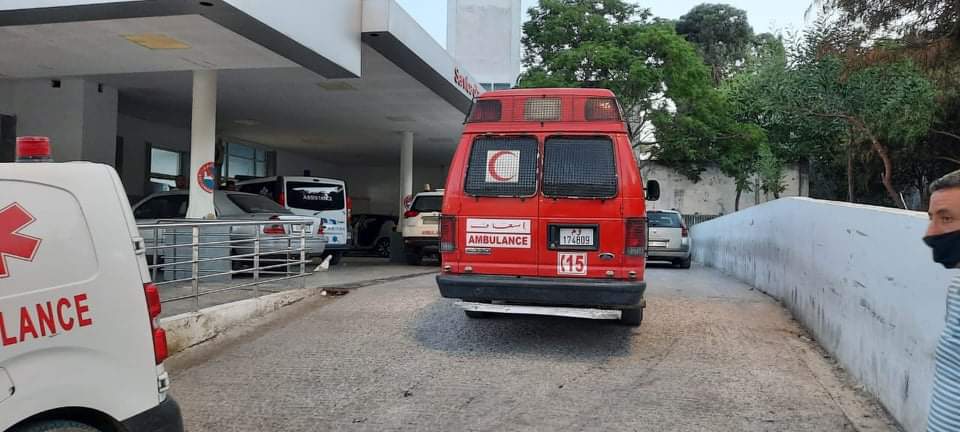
[
  {"x": 315, "y": 196},
  {"x": 244, "y": 160},
  {"x": 163, "y": 207},
  {"x": 427, "y": 203},
  {"x": 663, "y": 220},
  {"x": 256, "y": 203},
  {"x": 579, "y": 167},
  {"x": 502, "y": 166},
  {"x": 164, "y": 162}
]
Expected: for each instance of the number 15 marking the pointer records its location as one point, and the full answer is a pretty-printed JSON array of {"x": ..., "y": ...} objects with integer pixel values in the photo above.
[{"x": 571, "y": 263}]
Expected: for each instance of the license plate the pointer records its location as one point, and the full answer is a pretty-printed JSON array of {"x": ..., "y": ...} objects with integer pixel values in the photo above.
[
  {"x": 431, "y": 220},
  {"x": 659, "y": 244},
  {"x": 576, "y": 236}
]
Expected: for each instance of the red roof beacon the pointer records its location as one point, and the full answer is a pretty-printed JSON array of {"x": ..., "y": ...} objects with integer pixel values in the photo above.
[{"x": 33, "y": 149}]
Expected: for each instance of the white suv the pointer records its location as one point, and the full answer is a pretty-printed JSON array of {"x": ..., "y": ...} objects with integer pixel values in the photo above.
[{"x": 421, "y": 227}]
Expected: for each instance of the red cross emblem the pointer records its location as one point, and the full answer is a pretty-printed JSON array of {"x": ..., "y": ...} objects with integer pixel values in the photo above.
[{"x": 14, "y": 218}]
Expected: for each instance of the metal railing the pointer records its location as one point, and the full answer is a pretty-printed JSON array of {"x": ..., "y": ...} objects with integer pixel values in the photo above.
[
  {"x": 693, "y": 219},
  {"x": 189, "y": 260}
]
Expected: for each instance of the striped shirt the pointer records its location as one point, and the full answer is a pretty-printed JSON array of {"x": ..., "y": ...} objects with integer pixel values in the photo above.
[{"x": 945, "y": 403}]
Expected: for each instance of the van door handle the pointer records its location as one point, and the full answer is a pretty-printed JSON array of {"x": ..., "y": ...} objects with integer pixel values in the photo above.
[{"x": 607, "y": 256}]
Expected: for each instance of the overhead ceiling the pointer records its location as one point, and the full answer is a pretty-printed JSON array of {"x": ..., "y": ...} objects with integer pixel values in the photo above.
[
  {"x": 343, "y": 121},
  {"x": 263, "y": 96}
]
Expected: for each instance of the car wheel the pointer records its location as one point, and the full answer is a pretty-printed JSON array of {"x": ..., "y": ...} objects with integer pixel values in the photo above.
[
  {"x": 476, "y": 314},
  {"x": 382, "y": 249},
  {"x": 631, "y": 317},
  {"x": 56, "y": 425},
  {"x": 684, "y": 263}
]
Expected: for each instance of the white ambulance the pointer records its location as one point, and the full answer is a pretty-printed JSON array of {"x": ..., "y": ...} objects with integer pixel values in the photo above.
[{"x": 80, "y": 346}]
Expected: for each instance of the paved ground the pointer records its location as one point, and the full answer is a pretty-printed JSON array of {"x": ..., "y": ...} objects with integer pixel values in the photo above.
[{"x": 712, "y": 355}]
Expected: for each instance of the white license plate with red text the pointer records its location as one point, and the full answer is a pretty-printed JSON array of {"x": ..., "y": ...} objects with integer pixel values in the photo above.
[{"x": 571, "y": 263}]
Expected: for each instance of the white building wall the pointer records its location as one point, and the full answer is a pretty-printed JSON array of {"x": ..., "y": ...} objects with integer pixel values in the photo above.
[
  {"x": 57, "y": 113},
  {"x": 136, "y": 134},
  {"x": 99, "y": 123},
  {"x": 484, "y": 36},
  {"x": 715, "y": 193},
  {"x": 858, "y": 277}
]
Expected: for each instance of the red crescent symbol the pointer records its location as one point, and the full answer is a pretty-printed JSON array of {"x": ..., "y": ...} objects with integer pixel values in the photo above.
[{"x": 492, "y": 166}]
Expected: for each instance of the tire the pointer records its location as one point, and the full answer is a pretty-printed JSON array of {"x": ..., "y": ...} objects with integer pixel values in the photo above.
[
  {"x": 382, "y": 248},
  {"x": 56, "y": 426},
  {"x": 684, "y": 264},
  {"x": 414, "y": 258},
  {"x": 631, "y": 317},
  {"x": 476, "y": 314}
]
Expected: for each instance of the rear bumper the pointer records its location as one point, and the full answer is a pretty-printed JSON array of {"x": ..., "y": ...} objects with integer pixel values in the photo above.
[
  {"x": 543, "y": 291},
  {"x": 164, "y": 417},
  {"x": 427, "y": 243},
  {"x": 653, "y": 254}
]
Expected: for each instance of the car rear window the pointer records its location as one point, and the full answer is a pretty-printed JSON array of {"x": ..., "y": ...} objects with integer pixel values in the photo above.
[
  {"x": 427, "y": 203},
  {"x": 315, "y": 196},
  {"x": 163, "y": 207},
  {"x": 579, "y": 167},
  {"x": 502, "y": 166},
  {"x": 664, "y": 220},
  {"x": 256, "y": 204}
]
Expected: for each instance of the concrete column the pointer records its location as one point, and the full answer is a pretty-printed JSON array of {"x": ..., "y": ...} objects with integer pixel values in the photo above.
[
  {"x": 406, "y": 168},
  {"x": 203, "y": 133}
]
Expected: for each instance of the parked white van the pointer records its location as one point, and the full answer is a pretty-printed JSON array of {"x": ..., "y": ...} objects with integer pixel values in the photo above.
[
  {"x": 80, "y": 346},
  {"x": 323, "y": 199}
]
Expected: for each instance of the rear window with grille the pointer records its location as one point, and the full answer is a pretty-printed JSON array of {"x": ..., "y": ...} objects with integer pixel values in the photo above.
[
  {"x": 579, "y": 167},
  {"x": 502, "y": 166}
]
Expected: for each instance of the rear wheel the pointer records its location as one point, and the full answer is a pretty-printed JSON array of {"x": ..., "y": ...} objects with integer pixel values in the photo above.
[
  {"x": 56, "y": 426},
  {"x": 476, "y": 314},
  {"x": 382, "y": 248},
  {"x": 631, "y": 317},
  {"x": 684, "y": 263}
]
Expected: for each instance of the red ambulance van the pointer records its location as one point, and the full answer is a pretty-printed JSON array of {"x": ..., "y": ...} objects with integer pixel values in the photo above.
[{"x": 544, "y": 211}]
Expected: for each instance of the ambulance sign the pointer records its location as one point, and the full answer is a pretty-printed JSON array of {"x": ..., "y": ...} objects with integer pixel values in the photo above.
[
  {"x": 503, "y": 166},
  {"x": 498, "y": 233},
  {"x": 13, "y": 244}
]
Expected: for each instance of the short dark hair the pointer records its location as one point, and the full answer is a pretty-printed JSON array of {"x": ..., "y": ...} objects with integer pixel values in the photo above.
[{"x": 948, "y": 181}]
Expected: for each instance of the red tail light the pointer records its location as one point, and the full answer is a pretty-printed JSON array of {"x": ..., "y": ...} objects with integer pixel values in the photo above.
[
  {"x": 410, "y": 213},
  {"x": 448, "y": 233},
  {"x": 602, "y": 109},
  {"x": 274, "y": 229},
  {"x": 349, "y": 211},
  {"x": 282, "y": 199},
  {"x": 636, "y": 237},
  {"x": 321, "y": 229},
  {"x": 152, "y": 294},
  {"x": 684, "y": 232},
  {"x": 485, "y": 111}
]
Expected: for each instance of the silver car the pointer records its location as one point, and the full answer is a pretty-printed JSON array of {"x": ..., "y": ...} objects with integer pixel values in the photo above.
[
  {"x": 233, "y": 206},
  {"x": 669, "y": 239}
]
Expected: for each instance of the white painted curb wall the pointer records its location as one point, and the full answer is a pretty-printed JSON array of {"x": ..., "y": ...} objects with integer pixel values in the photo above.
[
  {"x": 858, "y": 277},
  {"x": 192, "y": 328}
]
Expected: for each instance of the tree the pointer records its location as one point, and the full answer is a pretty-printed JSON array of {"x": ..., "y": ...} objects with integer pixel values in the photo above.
[
  {"x": 665, "y": 88},
  {"x": 722, "y": 35}
]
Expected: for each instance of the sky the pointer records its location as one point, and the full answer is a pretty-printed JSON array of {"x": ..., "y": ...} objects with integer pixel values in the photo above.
[{"x": 764, "y": 15}]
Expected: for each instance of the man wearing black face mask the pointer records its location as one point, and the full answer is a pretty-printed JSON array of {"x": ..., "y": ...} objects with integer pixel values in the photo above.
[{"x": 943, "y": 236}]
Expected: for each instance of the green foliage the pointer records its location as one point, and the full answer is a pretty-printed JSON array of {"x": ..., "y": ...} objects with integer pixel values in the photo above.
[
  {"x": 658, "y": 76},
  {"x": 721, "y": 33}
]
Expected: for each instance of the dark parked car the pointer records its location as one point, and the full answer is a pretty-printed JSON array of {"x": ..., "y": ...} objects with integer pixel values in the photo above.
[{"x": 371, "y": 233}]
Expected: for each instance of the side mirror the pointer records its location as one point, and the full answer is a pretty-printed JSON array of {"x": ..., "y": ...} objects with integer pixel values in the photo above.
[{"x": 653, "y": 190}]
